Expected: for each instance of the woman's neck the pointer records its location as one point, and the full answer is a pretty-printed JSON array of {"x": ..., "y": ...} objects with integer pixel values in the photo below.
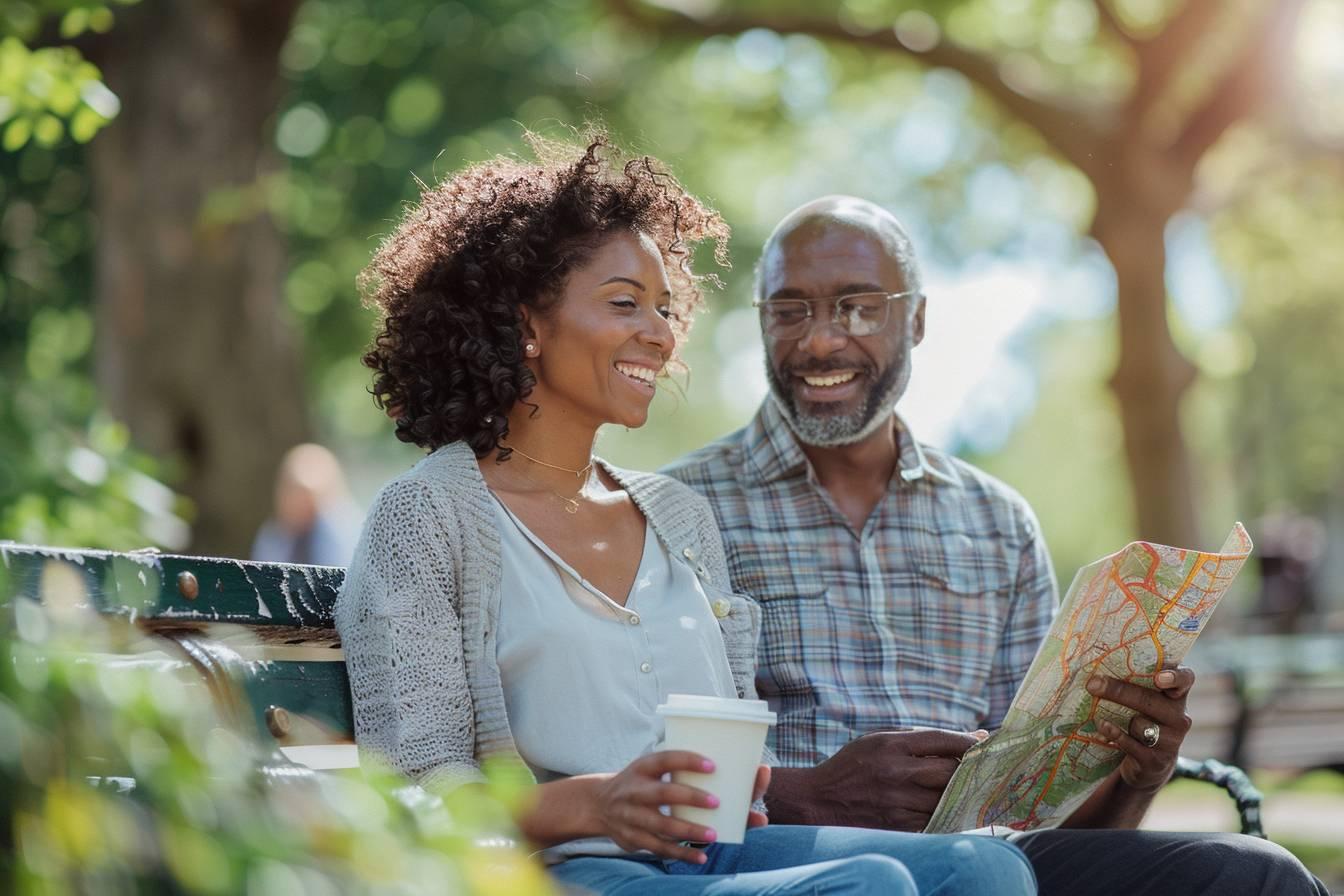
[{"x": 551, "y": 453}]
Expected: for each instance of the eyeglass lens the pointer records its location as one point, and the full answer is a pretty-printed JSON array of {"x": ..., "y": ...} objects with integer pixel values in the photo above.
[{"x": 859, "y": 314}]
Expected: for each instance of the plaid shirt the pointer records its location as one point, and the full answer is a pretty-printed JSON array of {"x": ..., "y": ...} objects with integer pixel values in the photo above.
[{"x": 929, "y": 616}]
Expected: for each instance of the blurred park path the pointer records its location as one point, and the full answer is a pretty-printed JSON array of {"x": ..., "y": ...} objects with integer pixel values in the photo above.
[{"x": 1311, "y": 817}]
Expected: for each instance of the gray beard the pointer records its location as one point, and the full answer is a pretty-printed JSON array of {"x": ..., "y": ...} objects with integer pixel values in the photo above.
[{"x": 834, "y": 430}]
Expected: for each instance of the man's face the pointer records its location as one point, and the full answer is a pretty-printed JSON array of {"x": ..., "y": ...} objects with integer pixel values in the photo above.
[{"x": 832, "y": 387}]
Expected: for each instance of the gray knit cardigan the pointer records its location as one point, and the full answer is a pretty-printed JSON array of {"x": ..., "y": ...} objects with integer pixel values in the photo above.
[{"x": 419, "y": 610}]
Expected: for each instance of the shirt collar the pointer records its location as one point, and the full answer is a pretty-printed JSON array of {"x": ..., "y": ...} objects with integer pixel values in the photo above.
[{"x": 772, "y": 451}]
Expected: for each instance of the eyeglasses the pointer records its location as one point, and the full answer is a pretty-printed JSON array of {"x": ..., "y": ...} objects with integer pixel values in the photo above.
[{"x": 858, "y": 313}]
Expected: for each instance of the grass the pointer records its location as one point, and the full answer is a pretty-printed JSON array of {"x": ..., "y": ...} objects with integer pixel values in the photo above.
[{"x": 1320, "y": 781}]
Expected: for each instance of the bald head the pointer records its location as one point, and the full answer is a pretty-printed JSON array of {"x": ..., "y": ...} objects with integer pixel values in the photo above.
[{"x": 833, "y": 215}]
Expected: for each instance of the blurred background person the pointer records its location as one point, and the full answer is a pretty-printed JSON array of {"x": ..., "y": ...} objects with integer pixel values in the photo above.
[
  {"x": 1289, "y": 546},
  {"x": 315, "y": 520}
]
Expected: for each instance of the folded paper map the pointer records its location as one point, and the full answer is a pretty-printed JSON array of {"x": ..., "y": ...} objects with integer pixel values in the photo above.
[{"x": 1125, "y": 616}]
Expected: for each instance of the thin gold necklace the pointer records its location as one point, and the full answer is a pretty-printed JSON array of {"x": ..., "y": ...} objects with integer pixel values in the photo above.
[
  {"x": 582, "y": 471},
  {"x": 571, "y": 504}
]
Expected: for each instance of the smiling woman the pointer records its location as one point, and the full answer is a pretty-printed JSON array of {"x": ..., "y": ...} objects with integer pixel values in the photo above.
[{"x": 489, "y": 252}]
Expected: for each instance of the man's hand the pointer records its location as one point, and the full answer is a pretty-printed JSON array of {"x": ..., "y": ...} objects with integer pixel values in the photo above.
[
  {"x": 887, "y": 779},
  {"x": 1146, "y": 768},
  {"x": 758, "y": 819}
]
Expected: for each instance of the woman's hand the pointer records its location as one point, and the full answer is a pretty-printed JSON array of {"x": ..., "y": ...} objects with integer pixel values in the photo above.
[{"x": 626, "y": 805}]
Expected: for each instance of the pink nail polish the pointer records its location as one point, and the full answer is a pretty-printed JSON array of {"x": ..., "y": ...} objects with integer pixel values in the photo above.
[
  {"x": 711, "y": 835},
  {"x": 707, "y": 765},
  {"x": 712, "y": 801}
]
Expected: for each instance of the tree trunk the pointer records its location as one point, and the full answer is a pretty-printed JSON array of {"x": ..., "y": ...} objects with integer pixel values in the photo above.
[
  {"x": 1134, "y": 205},
  {"x": 193, "y": 350}
]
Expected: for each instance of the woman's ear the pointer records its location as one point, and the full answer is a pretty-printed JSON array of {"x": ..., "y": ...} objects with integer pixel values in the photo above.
[{"x": 531, "y": 345}]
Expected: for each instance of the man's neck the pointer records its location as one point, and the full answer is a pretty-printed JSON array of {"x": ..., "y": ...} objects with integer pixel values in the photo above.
[{"x": 865, "y": 466}]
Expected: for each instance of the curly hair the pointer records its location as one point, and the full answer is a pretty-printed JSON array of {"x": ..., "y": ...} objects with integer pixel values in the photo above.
[{"x": 450, "y": 283}]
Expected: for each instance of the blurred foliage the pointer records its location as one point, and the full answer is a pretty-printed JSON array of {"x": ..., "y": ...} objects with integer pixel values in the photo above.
[
  {"x": 85, "y": 700},
  {"x": 49, "y": 92},
  {"x": 1284, "y": 417},
  {"x": 67, "y": 473}
]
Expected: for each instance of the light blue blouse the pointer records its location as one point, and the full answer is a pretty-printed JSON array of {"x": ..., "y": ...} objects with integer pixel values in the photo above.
[{"x": 582, "y": 674}]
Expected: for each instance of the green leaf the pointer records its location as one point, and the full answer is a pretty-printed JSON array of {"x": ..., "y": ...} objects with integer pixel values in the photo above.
[
  {"x": 17, "y": 134},
  {"x": 49, "y": 130},
  {"x": 100, "y": 20},
  {"x": 84, "y": 124},
  {"x": 74, "y": 23},
  {"x": 414, "y": 106},
  {"x": 63, "y": 97}
]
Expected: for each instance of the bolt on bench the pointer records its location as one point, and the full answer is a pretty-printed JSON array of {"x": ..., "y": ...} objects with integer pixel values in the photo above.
[{"x": 261, "y": 639}]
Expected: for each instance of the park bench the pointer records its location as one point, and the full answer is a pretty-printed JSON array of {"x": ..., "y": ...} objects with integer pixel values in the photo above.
[
  {"x": 1271, "y": 701},
  {"x": 260, "y": 636}
]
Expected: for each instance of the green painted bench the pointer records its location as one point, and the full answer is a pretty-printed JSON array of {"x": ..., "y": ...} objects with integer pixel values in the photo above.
[{"x": 261, "y": 638}]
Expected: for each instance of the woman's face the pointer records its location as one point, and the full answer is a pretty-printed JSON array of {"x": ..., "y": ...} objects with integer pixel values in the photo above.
[{"x": 600, "y": 346}]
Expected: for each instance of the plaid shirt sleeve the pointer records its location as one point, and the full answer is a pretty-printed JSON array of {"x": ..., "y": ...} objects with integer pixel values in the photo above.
[{"x": 1030, "y": 613}]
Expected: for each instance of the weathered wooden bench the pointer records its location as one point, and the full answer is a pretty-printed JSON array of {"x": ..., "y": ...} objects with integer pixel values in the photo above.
[{"x": 261, "y": 638}]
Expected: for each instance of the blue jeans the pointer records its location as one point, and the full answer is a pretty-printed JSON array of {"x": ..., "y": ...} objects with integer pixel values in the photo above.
[{"x": 783, "y": 860}]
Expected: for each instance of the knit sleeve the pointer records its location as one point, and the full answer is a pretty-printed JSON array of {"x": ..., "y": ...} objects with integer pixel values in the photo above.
[{"x": 398, "y": 618}]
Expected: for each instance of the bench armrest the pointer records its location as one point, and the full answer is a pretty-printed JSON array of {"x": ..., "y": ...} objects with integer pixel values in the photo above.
[{"x": 1235, "y": 782}]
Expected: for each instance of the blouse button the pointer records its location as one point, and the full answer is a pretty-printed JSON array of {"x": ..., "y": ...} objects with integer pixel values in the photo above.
[
  {"x": 645, "y": 667},
  {"x": 688, "y": 554},
  {"x": 721, "y": 607},
  {"x": 634, "y": 620}
]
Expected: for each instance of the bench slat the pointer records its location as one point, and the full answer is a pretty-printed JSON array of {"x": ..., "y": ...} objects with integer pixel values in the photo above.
[{"x": 151, "y": 587}]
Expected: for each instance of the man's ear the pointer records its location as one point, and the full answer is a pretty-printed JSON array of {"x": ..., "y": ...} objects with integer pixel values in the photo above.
[{"x": 917, "y": 323}]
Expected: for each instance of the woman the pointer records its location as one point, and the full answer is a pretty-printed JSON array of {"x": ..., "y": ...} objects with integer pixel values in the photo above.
[{"x": 512, "y": 595}]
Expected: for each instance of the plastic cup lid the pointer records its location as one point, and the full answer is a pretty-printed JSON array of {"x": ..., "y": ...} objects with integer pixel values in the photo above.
[{"x": 726, "y": 708}]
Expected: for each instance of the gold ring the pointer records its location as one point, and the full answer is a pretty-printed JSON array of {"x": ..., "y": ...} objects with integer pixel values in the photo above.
[{"x": 1151, "y": 734}]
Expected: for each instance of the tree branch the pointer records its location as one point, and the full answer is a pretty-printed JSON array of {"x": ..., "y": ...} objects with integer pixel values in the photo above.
[
  {"x": 1111, "y": 24},
  {"x": 1159, "y": 56},
  {"x": 1250, "y": 80},
  {"x": 1070, "y": 131}
]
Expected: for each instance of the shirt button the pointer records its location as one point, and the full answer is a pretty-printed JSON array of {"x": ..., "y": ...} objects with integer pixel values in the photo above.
[
  {"x": 634, "y": 620},
  {"x": 688, "y": 554},
  {"x": 645, "y": 667},
  {"x": 721, "y": 608}
]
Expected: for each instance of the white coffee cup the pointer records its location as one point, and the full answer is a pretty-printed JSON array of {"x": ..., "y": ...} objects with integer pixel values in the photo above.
[{"x": 731, "y": 734}]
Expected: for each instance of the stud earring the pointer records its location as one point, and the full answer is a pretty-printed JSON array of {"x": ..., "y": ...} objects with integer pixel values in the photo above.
[{"x": 530, "y": 348}]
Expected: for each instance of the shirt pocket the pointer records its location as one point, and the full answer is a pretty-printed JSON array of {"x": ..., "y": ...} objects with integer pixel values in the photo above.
[
  {"x": 797, "y": 623},
  {"x": 775, "y": 572}
]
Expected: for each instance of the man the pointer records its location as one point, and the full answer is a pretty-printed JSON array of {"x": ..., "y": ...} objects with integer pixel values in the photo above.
[{"x": 903, "y": 588}]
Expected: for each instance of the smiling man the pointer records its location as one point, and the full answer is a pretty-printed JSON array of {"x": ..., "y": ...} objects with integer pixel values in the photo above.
[{"x": 902, "y": 588}]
